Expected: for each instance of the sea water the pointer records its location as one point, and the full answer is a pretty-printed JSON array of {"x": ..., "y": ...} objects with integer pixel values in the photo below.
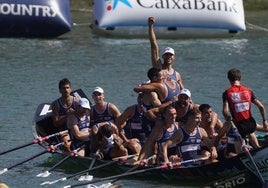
[{"x": 30, "y": 70}]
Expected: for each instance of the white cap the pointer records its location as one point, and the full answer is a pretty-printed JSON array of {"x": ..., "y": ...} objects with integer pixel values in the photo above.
[
  {"x": 84, "y": 103},
  {"x": 168, "y": 50},
  {"x": 185, "y": 92},
  {"x": 98, "y": 89}
]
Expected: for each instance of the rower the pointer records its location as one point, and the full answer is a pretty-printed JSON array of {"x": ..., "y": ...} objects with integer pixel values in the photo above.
[{"x": 62, "y": 108}]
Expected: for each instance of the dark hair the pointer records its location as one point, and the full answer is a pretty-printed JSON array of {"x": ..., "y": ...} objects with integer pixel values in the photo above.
[
  {"x": 233, "y": 75},
  {"x": 64, "y": 82},
  {"x": 192, "y": 112},
  {"x": 106, "y": 130},
  {"x": 152, "y": 72},
  {"x": 167, "y": 108},
  {"x": 202, "y": 107}
]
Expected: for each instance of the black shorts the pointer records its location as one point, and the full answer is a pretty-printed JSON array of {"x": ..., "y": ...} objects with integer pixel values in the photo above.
[{"x": 246, "y": 127}]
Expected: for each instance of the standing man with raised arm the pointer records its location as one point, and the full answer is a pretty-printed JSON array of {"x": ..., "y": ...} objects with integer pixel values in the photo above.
[
  {"x": 168, "y": 56},
  {"x": 237, "y": 101}
]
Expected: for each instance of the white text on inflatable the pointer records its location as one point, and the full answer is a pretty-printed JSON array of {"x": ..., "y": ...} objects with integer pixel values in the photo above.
[
  {"x": 27, "y": 10},
  {"x": 190, "y": 5}
]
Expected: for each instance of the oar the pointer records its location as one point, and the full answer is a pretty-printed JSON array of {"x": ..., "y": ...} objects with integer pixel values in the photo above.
[
  {"x": 48, "y": 150},
  {"x": 116, "y": 160},
  {"x": 88, "y": 177},
  {"x": 163, "y": 167},
  {"x": 110, "y": 184},
  {"x": 71, "y": 154},
  {"x": 142, "y": 163},
  {"x": 246, "y": 150},
  {"x": 35, "y": 141}
]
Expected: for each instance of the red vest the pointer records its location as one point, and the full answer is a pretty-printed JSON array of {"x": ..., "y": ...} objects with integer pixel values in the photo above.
[{"x": 239, "y": 98}]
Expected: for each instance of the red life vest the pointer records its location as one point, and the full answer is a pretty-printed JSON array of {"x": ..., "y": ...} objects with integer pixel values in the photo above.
[{"x": 239, "y": 98}]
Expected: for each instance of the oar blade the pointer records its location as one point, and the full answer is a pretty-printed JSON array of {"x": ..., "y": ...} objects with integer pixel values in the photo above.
[
  {"x": 43, "y": 174},
  {"x": 45, "y": 183},
  {"x": 53, "y": 182},
  {"x": 109, "y": 184},
  {"x": 47, "y": 173},
  {"x": 3, "y": 171},
  {"x": 85, "y": 178}
]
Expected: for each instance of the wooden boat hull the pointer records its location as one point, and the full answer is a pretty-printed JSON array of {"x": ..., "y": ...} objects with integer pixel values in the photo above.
[{"x": 233, "y": 172}]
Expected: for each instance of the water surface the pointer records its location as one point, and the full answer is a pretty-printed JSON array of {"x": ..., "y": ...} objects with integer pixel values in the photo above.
[{"x": 31, "y": 68}]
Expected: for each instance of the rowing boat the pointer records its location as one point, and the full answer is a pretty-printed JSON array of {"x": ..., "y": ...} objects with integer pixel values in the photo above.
[{"x": 234, "y": 172}]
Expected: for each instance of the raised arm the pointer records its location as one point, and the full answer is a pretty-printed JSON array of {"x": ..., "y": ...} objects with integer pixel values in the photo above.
[{"x": 156, "y": 61}]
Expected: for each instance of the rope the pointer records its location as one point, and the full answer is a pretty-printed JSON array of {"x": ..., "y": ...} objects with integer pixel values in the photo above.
[{"x": 252, "y": 26}]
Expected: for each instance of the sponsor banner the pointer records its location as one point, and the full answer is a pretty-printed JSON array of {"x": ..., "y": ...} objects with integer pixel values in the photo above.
[
  {"x": 239, "y": 180},
  {"x": 34, "y": 17},
  {"x": 219, "y": 14},
  {"x": 261, "y": 160}
]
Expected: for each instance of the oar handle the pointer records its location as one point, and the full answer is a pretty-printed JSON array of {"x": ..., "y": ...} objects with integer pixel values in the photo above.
[
  {"x": 35, "y": 141},
  {"x": 49, "y": 149},
  {"x": 42, "y": 139},
  {"x": 123, "y": 158}
]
